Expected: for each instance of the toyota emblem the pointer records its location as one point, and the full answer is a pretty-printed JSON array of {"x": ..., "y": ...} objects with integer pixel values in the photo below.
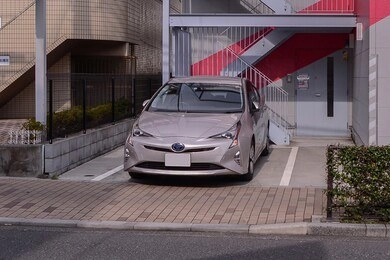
[{"x": 177, "y": 147}]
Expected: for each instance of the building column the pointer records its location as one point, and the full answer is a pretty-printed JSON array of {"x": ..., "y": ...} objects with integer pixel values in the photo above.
[
  {"x": 165, "y": 42},
  {"x": 373, "y": 105},
  {"x": 40, "y": 62}
]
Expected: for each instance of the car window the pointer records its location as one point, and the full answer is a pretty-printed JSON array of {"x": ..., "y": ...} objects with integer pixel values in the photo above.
[
  {"x": 166, "y": 99},
  {"x": 198, "y": 98}
]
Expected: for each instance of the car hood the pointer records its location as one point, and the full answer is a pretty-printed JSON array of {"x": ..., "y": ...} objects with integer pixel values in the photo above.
[{"x": 193, "y": 125}]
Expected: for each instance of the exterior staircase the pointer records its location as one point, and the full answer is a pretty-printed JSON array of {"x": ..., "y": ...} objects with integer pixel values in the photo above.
[
  {"x": 24, "y": 21},
  {"x": 24, "y": 42},
  {"x": 256, "y": 7},
  {"x": 276, "y": 98},
  {"x": 240, "y": 48}
]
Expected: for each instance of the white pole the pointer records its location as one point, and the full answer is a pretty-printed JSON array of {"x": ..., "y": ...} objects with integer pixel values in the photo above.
[
  {"x": 165, "y": 42},
  {"x": 40, "y": 62}
]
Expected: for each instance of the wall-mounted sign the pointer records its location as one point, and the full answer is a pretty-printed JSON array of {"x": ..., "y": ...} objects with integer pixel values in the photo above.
[
  {"x": 4, "y": 60},
  {"x": 303, "y": 81}
]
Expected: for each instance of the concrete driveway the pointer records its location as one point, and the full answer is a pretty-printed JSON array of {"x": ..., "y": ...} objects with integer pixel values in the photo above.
[{"x": 301, "y": 164}]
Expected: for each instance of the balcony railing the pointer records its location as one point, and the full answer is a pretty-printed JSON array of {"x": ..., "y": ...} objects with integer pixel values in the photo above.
[{"x": 322, "y": 6}]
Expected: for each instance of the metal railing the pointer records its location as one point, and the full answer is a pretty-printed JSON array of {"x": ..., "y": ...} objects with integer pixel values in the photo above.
[
  {"x": 240, "y": 39},
  {"x": 276, "y": 98},
  {"x": 256, "y": 7},
  {"x": 207, "y": 53},
  {"x": 79, "y": 102},
  {"x": 315, "y": 6}
]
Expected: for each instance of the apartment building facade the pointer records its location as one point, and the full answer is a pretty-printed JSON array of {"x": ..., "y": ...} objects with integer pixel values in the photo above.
[
  {"x": 322, "y": 63},
  {"x": 82, "y": 37}
]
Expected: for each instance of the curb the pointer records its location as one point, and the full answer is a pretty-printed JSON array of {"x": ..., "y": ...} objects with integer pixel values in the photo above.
[{"x": 300, "y": 228}]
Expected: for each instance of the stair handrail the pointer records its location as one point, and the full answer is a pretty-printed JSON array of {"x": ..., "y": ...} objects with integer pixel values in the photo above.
[
  {"x": 276, "y": 97},
  {"x": 258, "y": 35},
  {"x": 254, "y": 8},
  {"x": 17, "y": 15}
]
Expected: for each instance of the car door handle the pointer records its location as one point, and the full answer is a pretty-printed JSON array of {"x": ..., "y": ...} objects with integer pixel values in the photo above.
[{"x": 317, "y": 94}]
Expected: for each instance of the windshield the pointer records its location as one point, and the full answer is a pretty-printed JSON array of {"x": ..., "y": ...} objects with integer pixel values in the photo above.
[{"x": 198, "y": 98}]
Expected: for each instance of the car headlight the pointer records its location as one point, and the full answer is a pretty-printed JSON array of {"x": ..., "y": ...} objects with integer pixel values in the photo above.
[
  {"x": 137, "y": 132},
  {"x": 231, "y": 134}
]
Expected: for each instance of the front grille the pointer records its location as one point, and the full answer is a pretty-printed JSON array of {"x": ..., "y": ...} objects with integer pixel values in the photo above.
[
  {"x": 168, "y": 150},
  {"x": 193, "y": 167}
]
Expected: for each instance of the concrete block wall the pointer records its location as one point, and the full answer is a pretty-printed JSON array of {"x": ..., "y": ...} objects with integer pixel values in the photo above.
[
  {"x": 63, "y": 155},
  {"x": 20, "y": 160}
]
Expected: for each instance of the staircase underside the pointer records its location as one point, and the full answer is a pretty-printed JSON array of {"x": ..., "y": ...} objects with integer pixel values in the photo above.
[
  {"x": 310, "y": 22},
  {"x": 26, "y": 78}
]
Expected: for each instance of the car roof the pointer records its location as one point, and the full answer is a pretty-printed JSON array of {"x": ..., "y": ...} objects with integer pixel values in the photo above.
[{"x": 207, "y": 79}]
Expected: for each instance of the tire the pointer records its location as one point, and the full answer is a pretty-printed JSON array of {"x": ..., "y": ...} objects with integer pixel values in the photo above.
[
  {"x": 251, "y": 165},
  {"x": 265, "y": 152}
]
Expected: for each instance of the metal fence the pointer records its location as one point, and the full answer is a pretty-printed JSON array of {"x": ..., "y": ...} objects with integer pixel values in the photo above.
[
  {"x": 24, "y": 137},
  {"x": 78, "y": 102}
]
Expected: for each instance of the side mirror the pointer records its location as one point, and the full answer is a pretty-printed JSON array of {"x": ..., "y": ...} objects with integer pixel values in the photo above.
[
  {"x": 255, "y": 106},
  {"x": 145, "y": 102}
]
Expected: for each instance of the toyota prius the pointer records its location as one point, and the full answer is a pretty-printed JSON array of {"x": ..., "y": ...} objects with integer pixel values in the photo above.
[{"x": 199, "y": 126}]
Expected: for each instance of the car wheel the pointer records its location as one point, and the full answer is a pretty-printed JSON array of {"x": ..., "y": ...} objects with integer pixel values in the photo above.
[
  {"x": 251, "y": 165},
  {"x": 265, "y": 152}
]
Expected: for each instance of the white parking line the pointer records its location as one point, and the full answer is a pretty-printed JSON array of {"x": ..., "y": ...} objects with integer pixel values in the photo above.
[
  {"x": 109, "y": 173},
  {"x": 285, "y": 181}
]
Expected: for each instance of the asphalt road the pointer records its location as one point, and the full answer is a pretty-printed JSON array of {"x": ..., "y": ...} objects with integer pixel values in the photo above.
[{"x": 65, "y": 243}]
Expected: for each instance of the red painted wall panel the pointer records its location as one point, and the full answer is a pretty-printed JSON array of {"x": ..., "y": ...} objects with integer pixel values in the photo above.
[
  {"x": 379, "y": 9},
  {"x": 299, "y": 51}
]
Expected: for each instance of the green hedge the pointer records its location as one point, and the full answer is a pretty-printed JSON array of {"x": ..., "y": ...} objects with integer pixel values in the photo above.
[
  {"x": 361, "y": 182},
  {"x": 71, "y": 121}
]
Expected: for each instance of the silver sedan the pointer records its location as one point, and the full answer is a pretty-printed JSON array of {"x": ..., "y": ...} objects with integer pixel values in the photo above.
[{"x": 199, "y": 126}]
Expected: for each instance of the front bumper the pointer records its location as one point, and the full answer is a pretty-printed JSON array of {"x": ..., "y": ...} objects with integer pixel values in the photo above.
[{"x": 147, "y": 155}]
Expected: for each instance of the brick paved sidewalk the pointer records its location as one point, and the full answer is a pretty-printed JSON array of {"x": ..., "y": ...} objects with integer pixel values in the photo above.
[{"x": 134, "y": 202}]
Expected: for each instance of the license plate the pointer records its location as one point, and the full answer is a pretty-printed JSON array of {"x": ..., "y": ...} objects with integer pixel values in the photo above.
[{"x": 177, "y": 160}]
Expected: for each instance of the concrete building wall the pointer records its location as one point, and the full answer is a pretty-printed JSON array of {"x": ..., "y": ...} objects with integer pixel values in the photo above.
[
  {"x": 149, "y": 49},
  {"x": 23, "y": 104},
  {"x": 76, "y": 19},
  {"x": 360, "y": 102},
  {"x": 10, "y": 8},
  {"x": 371, "y": 75},
  {"x": 380, "y": 38}
]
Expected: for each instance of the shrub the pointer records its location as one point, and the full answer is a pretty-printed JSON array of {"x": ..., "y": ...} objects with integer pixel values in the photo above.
[
  {"x": 99, "y": 115},
  {"x": 361, "y": 182},
  {"x": 35, "y": 131},
  {"x": 71, "y": 120},
  {"x": 67, "y": 121},
  {"x": 32, "y": 125},
  {"x": 122, "y": 108}
]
